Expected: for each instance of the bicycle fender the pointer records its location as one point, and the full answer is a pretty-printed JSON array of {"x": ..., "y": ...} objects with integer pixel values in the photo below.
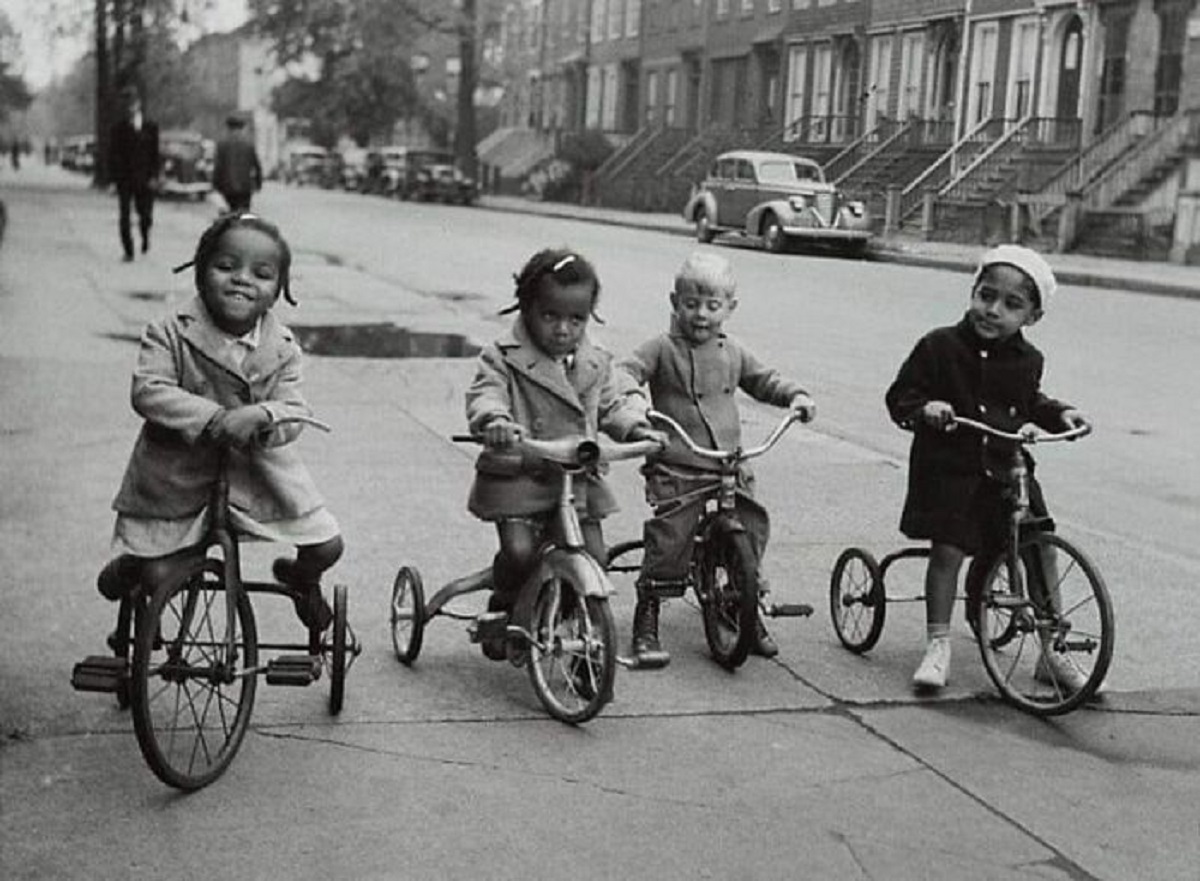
[{"x": 580, "y": 567}]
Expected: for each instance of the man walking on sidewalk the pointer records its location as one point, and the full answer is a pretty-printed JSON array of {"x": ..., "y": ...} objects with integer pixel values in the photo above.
[
  {"x": 134, "y": 164},
  {"x": 237, "y": 173}
]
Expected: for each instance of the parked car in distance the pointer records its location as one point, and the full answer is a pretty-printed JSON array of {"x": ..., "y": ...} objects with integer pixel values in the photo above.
[
  {"x": 186, "y": 172},
  {"x": 778, "y": 199},
  {"x": 434, "y": 176},
  {"x": 306, "y": 165},
  {"x": 352, "y": 168},
  {"x": 384, "y": 171},
  {"x": 78, "y": 153}
]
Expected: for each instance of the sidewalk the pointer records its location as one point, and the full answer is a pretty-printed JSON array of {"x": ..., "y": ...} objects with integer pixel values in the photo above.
[{"x": 1168, "y": 279}]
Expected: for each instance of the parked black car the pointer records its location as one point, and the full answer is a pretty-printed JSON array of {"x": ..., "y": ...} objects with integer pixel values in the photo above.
[{"x": 434, "y": 176}]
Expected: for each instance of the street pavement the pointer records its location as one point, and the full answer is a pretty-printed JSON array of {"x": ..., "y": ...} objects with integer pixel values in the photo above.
[
  {"x": 1168, "y": 279},
  {"x": 819, "y": 764}
]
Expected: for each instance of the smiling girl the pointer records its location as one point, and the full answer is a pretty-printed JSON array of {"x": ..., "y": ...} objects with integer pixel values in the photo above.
[{"x": 220, "y": 371}]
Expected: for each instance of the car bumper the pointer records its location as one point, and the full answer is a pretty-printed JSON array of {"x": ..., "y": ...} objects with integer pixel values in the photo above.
[{"x": 827, "y": 234}]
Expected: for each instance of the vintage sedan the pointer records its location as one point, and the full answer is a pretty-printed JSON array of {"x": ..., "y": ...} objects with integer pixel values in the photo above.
[{"x": 778, "y": 199}]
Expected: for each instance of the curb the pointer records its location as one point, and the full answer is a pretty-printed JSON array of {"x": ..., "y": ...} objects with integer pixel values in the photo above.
[{"x": 889, "y": 254}]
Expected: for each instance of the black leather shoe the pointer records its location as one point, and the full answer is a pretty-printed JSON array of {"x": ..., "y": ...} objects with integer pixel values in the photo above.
[
  {"x": 311, "y": 608},
  {"x": 647, "y": 650}
]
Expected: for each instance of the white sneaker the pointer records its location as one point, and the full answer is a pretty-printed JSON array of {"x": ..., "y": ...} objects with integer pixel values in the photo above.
[
  {"x": 935, "y": 666},
  {"x": 1054, "y": 669}
]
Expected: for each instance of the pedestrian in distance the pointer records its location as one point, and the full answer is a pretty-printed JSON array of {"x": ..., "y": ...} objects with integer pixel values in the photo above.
[
  {"x": 134, "y": 165},
  {"x": 544, "y": 379},
  {"x": 982, "y": 367},
  {"x": 237, "y": 173},
  {"x": 220, "y": 370},
  {"x": 693, "y": 373}
]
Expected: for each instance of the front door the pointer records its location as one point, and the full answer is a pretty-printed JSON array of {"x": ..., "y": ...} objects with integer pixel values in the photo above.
[{"x": 1070, "y": 60}]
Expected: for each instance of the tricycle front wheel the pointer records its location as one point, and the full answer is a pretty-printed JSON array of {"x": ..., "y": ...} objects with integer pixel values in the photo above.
[
  {"x": 192, "y": 686},
  {"x": 573, "y": 657}
]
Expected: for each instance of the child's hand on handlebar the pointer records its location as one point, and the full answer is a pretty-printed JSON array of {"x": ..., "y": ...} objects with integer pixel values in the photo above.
[
  {"x": 240, "y": 425},
  {"x": 646, "y": 433},
  {"x": 805, "y": 406},
  {"x": 1075, "y": 419},
  {"x": 500, "y": 433},
  {"x": 938, "y": 414}
]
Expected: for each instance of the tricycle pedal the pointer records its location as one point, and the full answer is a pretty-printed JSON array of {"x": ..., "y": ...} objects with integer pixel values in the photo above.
[
  {"x": 790, "y": 610},
  {"x": 104, "y": 673},
  {"x": 294, "y": 670}
]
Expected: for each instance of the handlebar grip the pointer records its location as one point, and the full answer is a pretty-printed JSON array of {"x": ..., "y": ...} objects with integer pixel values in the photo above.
[{"x": 466, "y": 439}]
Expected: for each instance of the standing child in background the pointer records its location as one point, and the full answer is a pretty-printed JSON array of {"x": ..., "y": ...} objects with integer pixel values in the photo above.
[
  {"x": 544, "y": 380},
  {"x": 693, "y": 373},
  {"x": 984, "y": 368},
  {"x": 221, "y": 370}
]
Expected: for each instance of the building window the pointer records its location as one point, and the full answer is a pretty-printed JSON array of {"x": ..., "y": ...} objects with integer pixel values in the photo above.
[
  {"x": 1168, "y": 74},
  {"x": 1021, "y": 68},
  {"x": 912, "y": 61},
  {"x": 774, "y": 5},
  {"x": 797, "y": 78},
  {"x": 599, "y": 17},
  {"x": 722, "y": 8},
  {"x": 616, "y": 12},
  {"x": 983, "y": 73},
  {"x": 669, "y": 113},
  {"x": 633, "y": 17},
  {"x": 879, "y": 80},
  {"x": 747, "y": 7}
]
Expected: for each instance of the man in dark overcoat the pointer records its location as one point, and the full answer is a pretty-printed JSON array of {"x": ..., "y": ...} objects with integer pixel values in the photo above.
[
  {"x": 134, "y": 163},
  {"x": 237, "y": 173}
]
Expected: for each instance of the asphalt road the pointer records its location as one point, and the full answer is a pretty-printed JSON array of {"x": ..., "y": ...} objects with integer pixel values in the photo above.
[{"x": 819, "y": 765}]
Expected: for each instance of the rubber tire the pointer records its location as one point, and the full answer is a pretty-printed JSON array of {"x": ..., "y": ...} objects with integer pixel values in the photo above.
[
  {"x": 337, "y": 655},
  {"x": 842, "y": 586},
  {"x": 773, "y": 237},
  {"x": 1060, "y": 702},
  {"x": 158, "y": 628},
  {"x": 704, "y": 231},
  {"x": 732, "y": 552},
  {"x": 547, "y": 619},
  {"x": 407, "y": 590}
]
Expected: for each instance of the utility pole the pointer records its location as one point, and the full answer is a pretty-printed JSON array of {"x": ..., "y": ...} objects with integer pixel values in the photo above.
[
  {"x": 464, "y": 133},
  {"x": 100, "y": 169}
]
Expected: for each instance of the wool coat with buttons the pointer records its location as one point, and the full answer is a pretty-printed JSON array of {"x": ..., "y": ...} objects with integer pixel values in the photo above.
[
  {"x": 185, "y": 376},
  {"x": 516, "y": 381},
  {"x": 696, "y": 384},
  {"x": 992, "y": 381}
]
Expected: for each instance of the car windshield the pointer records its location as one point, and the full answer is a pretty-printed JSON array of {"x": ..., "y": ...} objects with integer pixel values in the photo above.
[{"x": 787, "y": 172}]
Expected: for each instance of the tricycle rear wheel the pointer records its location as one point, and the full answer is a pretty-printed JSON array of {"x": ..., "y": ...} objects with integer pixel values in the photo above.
[{"x": 407, "y": 614}]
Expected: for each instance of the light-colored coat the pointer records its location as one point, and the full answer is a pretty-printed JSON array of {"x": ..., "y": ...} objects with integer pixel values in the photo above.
[
  {"x": 185, "y": 375},
  {"x": 514, "y": 380}
]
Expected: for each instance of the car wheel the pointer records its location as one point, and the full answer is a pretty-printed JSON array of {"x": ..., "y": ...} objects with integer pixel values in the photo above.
[
  {"x": 704, "y": 230},
  {"x": 773, "y": 237}
]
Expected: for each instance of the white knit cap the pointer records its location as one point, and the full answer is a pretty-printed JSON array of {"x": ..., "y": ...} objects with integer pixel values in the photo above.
[{"x": 1028, "y": 261}]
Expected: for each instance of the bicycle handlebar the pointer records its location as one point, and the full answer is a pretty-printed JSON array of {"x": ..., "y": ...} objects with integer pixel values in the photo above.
[
  {"x": 575, "y": 452},
  {"x": 1023, "y": 438},
  {"x": 741, "y": 455}
]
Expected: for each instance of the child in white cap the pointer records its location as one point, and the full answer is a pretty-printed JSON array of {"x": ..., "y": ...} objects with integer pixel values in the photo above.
[{"x": 982, "y": 367}]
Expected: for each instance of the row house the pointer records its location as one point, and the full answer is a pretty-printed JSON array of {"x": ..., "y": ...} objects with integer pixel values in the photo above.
[{"x": 909, "y": 92}]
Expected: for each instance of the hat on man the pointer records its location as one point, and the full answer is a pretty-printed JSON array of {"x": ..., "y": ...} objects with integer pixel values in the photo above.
[{"x": 1027, "y": 260}]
